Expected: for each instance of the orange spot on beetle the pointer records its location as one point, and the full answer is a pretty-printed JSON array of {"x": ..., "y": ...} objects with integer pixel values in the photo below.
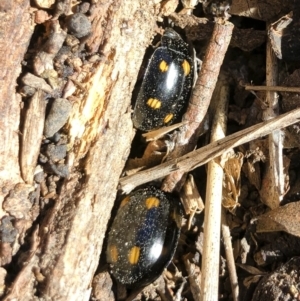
[
  {"x": 134, "y": 255},
  {"x": 154, "y": 103},
  {"x": 168, "y": 118},
  {"x": 125, "y": 201},
  {"x": 186, "y": 67},
  {"x": 152, "y": 202},
  {"x": 163, "y": 66},
  {"x": 113, "y": 253}
]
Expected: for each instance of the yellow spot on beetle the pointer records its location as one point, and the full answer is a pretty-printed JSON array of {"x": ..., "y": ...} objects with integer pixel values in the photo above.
[
  {"x": 125, "y": 201},
  {"x": 168, "y": 118},
  {"x": 152, "y": 202},
  {"x": 163, "y": 66},
  {"x": 186, "y": 67},
  {"x": 134, "y": 255},
  {"x": 113, "y": 253},
  {"x": 154, "y": 103}
]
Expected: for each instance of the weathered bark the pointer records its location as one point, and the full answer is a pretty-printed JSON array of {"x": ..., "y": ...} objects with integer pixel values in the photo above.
[
  {"x": 15, "y": 33},
  {"x": 67, "y": 244}
]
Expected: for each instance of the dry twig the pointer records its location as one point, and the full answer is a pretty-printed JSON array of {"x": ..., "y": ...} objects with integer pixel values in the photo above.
[
  {"x": 202, "y": 93},
  {"x": 229, "y": 257},
  {"x": 273, "y": 181},
  {"x": 272, "y": 88},
  {"x": 203, "y": 155}
]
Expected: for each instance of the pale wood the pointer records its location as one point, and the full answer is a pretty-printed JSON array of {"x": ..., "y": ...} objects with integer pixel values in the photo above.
[
  {"x": 273, "y": 180},
  {"x": 230, "y": 257},
  {"x": 213, "y": 206},
  {"x": 32, "y": 135}
]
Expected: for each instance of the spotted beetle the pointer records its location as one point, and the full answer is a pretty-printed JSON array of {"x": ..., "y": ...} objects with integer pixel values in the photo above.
[
  {"x": 166, "y": 85},
  {"x": 143, "y": 236}
]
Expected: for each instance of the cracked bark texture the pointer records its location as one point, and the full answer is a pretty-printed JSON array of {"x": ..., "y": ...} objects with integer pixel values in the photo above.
[{"x": 66, "y": 244}]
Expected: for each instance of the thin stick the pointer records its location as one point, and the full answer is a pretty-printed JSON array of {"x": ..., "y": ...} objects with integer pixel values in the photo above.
[
  {"x": 229, "y": 257},
  {"x": 273, "y": 180},
  {"x": 194, "y": 273},
  {"x": 272, "y": 88},
  {"x": 203, "y": 155},
  {"x": 213, "y": 205},
  {"x": 200, "y": 100}
]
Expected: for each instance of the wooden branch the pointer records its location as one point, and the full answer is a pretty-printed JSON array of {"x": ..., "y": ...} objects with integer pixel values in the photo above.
[
  {"x": 272, "y": 88},
  {"x": 101, "y": 131},
  {"x": 229, "y": 256},
  {"x": 203, "y": 155},
  {"x": 273, "y": 180},
  {"x": 201, "y": 96}
]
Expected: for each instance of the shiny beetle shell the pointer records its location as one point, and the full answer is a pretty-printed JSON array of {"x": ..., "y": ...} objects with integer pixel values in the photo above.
[
  {"x": 143, "y": 236},
  {"x": 167, "y": 84}
]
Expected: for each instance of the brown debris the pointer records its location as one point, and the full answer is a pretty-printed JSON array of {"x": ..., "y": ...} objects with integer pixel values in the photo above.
[
  {"x": 191, "y": 199},
  {"x": 36, "y": 82},
  {"x": 232, "y": 180},
  {"x": 44, "y": 58},
  {"x": 285, "y": 218},
  {"x": 152, "y": 156},
  {"x": 282, "y": 284},
  {"x": 102, "y": 287}
]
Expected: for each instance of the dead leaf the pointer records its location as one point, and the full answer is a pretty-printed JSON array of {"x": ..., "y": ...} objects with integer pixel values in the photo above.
[
  {"x": 248, "y": 281},
  {"x": 232, "y": 181},
  {"x": 285, "y": 218},
  {"x": 153, "y": 155},
  {"x": 191, "y": 199},
  {"x": 251, "y": 269}
]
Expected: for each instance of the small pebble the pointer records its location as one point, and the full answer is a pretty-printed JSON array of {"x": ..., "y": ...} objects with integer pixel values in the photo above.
[
  {"x": 57, "y": 117},
  {"x": 42, "y": 158},
  {"x": 60, "y": 170},
  {"x": 27, "y": 91},
  {"x": 41, "y": 16},
  {"x": 36, "y": 82},
  {"x": 44, "y": 188},
  {"x": 56, "y": 137},
  {"x": 56, "y": 152},
  {"x": 84, "y": 7},
  {"x": 8, "y": 232},
  {"x": 39, "y": 177},
  {"x": 79, "y": 25}
]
